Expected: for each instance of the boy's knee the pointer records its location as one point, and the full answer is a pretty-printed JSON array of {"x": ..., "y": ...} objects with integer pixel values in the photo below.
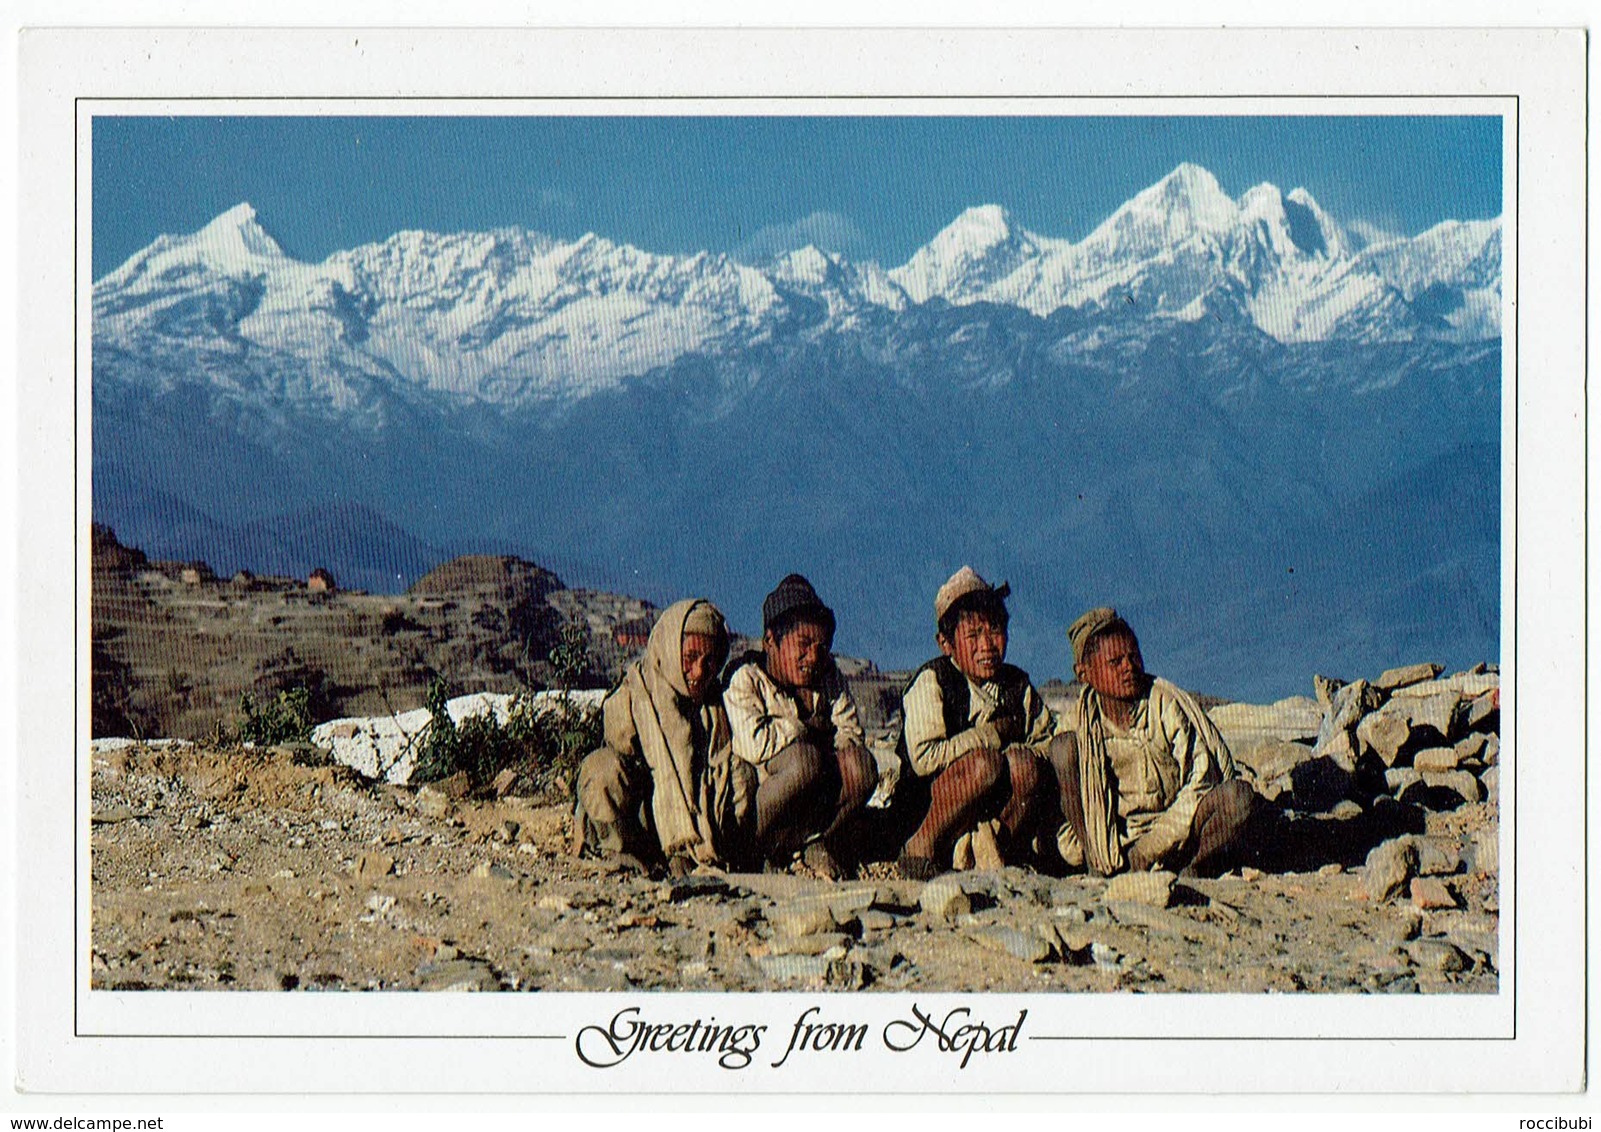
[
  {"x": 859, "y": 774},
  {"x": 801, "y": 760},
  {"x": 980, "y": 770},
  {"x": 602, "y": 783},
  {"x": 1236, "y": 799},
  {"x": 1063, "y": 754},
  {"x": 1025, "y": 770}
]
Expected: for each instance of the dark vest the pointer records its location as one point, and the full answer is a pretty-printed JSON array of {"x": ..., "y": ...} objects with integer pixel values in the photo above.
[{"x": 956, "y": 697}]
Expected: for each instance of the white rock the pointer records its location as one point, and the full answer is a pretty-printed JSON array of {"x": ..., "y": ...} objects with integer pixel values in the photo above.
[
  {"x": 1384, "y": 733},
  {"x": 1289, "y": 720},
  {"x": 1487, "y": 850},
  {"x": 1411, "y": 674},
  {"x": 1491, "y": 781},
  {"x": 107, "y": 745},
  {"x": 1465, "y": 685},
  {"x": 386, "y": 746}
]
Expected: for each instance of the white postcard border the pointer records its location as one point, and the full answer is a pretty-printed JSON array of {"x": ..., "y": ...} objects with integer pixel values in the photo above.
[{"x": 1117, "y": 1042}]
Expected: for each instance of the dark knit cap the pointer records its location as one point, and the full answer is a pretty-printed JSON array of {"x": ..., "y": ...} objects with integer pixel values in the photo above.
[{"x": 793, "y": 596}]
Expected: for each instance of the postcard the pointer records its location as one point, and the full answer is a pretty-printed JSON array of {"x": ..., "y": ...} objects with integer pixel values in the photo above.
[{"x": 802, "y": 561}]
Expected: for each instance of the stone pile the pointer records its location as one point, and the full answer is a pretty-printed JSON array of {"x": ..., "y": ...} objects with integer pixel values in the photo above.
[{"x": 1411, "y": 735}]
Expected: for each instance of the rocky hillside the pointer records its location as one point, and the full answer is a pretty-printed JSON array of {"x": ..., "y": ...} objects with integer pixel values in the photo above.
[{"x": 175, "y": 646}]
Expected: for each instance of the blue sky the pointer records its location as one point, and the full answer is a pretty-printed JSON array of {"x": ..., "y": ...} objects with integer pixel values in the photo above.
[{"x": 871, "y": 187}]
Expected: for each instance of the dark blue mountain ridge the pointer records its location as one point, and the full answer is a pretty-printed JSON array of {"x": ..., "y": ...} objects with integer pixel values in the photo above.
[{"x": 1181, "y": 477}]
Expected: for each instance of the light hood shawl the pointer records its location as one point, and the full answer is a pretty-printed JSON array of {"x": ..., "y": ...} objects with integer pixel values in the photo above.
[{"x": 698, "y": 799}]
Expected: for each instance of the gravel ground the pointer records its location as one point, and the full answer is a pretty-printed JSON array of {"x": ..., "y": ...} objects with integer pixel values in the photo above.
[{"x": 260, "y": 870}]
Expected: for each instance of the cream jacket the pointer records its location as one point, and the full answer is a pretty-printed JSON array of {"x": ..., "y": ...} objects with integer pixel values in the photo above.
[
  {"x": 1160, "y": 767},
  {"x": 765, "y": 718}
]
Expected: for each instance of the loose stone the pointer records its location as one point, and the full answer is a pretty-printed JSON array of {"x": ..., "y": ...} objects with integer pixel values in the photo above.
[
  {"x": 374, "y": 865},
  {"x": 1437, "y": 759},
  {"x": 1027, "y": 946},
  {"x": 1437, "y": 955},
  {"x": 1394, "y": 678},
  {"x": 1431, "y": 893},
  {"x": 804, "y": 918},
  {"x": 945, "y": 897},
  {"x": 1388, "y": 867},
  {"x": 1154, "y": 888}
]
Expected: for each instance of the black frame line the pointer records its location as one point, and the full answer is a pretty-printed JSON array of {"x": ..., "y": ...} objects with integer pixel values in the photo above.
[{"x": 1515, "y": 121}]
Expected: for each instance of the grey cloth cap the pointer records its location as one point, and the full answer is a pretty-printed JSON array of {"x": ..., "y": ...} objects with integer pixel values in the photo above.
[{"x": 1095, "y": 622}]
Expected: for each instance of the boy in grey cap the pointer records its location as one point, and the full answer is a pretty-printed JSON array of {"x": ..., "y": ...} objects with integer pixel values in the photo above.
[
  {"x": 1147, "y": 781},
  {"x": 975, "y": 734},
  {"x": 793, "y": 718}
]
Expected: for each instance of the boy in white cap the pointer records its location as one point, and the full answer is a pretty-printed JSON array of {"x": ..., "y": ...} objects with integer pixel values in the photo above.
[{"x": 975, "y": 733}]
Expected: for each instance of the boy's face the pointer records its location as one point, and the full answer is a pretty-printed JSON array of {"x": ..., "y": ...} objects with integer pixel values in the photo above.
[
  {"x": 978, "y": 646},
  {"x": 698, "y": 656},
  {"x": 1113, "y": 665},
  {"x": 797, "y": 660}
]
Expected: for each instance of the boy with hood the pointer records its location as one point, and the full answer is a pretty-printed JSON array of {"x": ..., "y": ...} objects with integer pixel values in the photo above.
[
  {"x": 666, "y": 784},
  {"x": 794, "y": 721},
  {"x": 975, "y": 734}
]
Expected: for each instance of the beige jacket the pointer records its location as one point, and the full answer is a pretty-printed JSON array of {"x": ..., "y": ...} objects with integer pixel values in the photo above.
[
  {"x": 1145, "y": 782},
  {"x": 766, "y": 718}
]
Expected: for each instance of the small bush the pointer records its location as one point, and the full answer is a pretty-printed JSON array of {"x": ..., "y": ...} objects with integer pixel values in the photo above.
[
  {"x": 543, "y": 740},
  {"x": 284, "y": 719},
  {"x": 570, "y": 659}
]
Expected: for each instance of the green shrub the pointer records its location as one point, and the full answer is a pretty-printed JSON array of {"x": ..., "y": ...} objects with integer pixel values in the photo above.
[
  {"x": 544, "y": 743},
  {"x": 284, "y": 719},
  {"x": 570, "y": 659}
]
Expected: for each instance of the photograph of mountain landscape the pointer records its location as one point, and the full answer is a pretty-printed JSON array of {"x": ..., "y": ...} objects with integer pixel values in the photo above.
[{"x": 386, "y": 410}]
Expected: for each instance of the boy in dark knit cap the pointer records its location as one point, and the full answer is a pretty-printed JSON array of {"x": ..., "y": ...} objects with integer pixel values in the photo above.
[
  {"x": 975, "y": 737},
  {"x": 793, "y": 718}
]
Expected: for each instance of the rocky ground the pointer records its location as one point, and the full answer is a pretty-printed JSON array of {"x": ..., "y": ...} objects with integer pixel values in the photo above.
[{"x": 277, "y": 869}]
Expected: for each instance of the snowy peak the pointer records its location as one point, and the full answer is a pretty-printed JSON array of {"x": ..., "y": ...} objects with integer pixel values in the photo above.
[
  {"x": 1182, "y": 245},
  {"x": 1290, "y": 226},
  {"x": 1188, "y": 202},
  {"x": 809, "y": 265},
  {"x": 1192, "y": 192},
  {"x": 236, "y": 237},
  {"x": 846, "y": 289},
  {"x": 515, "y": 317},
  {"x": 982, "y": 247},
  {"x": 232, "y": 246},
  {"x": 985, "y": 225},
  {"x": 1314, "y": 231}
]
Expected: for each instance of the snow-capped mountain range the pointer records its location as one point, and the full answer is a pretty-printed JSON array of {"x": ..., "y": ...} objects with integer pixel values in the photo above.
[
  {"x": 1274, "y": 442},
  {"x": 511, "y": 317}
]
